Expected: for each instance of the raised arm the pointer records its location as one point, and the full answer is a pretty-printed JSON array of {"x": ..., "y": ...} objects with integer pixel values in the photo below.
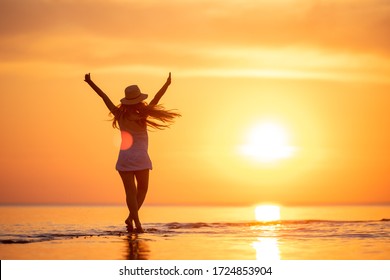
[
  {"x": 105, "y": 98},
  {"x": 161, "y": 92}
]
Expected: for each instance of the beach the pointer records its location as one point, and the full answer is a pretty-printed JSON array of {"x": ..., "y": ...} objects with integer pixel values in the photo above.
[{"x": 194, "y": 233}]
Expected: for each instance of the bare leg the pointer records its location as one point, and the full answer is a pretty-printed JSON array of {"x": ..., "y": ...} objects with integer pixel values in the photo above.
[
  {"x": 131, "y": 198},
  {"x": 142, "y": 177}
]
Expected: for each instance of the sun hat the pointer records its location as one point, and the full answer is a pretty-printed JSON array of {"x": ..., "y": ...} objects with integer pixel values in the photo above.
[{"x": 133, "y": 95}]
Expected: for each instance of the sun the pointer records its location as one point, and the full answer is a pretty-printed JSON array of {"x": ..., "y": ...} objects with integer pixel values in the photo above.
[
  {"x": 267, "y": 213},
  {"x": 267, "y": 142}
]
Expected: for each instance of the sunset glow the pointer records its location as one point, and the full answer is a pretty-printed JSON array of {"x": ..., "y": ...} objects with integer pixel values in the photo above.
[{"x": 289, "y": 107}]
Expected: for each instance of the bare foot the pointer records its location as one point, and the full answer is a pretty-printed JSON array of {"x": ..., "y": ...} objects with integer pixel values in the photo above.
[
  {"x": 139, "y": 230},
  {"x": 130, "y": 228},
  {"x": 129, "y": 223}
]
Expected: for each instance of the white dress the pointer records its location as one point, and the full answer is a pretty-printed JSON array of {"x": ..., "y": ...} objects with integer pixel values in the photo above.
[{"x": 133, "y": 154}]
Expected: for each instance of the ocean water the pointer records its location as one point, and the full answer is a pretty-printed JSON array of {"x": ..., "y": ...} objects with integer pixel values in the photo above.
[{"x": 302, "y": 233}]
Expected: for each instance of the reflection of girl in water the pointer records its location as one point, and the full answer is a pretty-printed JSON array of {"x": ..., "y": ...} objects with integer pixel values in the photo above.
[{"x": 132, "y": 117}]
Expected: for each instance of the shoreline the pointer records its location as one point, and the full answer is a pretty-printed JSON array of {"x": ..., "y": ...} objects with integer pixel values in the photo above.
[{"x": 187, "y": 233}]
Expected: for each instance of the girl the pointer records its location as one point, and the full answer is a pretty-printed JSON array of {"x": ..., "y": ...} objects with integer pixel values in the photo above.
[{"x": 132, "y": 117}]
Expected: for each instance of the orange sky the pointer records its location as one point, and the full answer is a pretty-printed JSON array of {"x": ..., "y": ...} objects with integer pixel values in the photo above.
[{"x": 318, "y": 69}]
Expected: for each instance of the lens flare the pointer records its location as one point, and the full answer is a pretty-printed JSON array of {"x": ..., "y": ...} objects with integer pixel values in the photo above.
[{"x": 127, "y": 140}]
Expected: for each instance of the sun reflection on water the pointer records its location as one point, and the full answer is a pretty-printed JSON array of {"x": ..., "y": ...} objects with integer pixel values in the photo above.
[
  {"x": 267, "y": 244},
  {"x": 267, "y": 248}
]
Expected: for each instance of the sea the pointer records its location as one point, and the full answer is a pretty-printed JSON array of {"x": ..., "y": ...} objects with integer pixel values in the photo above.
[{"x": 195, "y": 233}]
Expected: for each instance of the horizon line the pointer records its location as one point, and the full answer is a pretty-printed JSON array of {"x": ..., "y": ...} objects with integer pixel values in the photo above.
[{"x": 52, "y": 204}]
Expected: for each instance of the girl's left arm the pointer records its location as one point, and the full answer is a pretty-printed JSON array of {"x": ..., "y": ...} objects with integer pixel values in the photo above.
[{"x": 161, "y": 92}]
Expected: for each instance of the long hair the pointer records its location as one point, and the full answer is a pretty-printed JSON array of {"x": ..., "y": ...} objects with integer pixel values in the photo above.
[{"x": 154, "y": 116}]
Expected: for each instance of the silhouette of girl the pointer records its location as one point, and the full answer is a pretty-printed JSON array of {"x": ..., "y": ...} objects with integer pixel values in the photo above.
[{"x": 133, "y": 116}]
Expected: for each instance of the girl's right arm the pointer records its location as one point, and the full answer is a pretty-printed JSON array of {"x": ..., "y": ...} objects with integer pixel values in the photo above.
[{"x": 105, "y": 98}]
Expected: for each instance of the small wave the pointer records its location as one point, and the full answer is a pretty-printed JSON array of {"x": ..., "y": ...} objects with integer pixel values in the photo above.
[
  {"x": 43, "y": 237},
  {"x": 282, "y": 228},
  {"x": 10, "y": 241},
  {"x": 176, "y": 225}
]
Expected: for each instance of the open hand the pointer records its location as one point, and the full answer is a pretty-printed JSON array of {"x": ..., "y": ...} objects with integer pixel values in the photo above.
[
  {"x": 87, "y": 77},
  {"x": 169, "y": 79}
]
